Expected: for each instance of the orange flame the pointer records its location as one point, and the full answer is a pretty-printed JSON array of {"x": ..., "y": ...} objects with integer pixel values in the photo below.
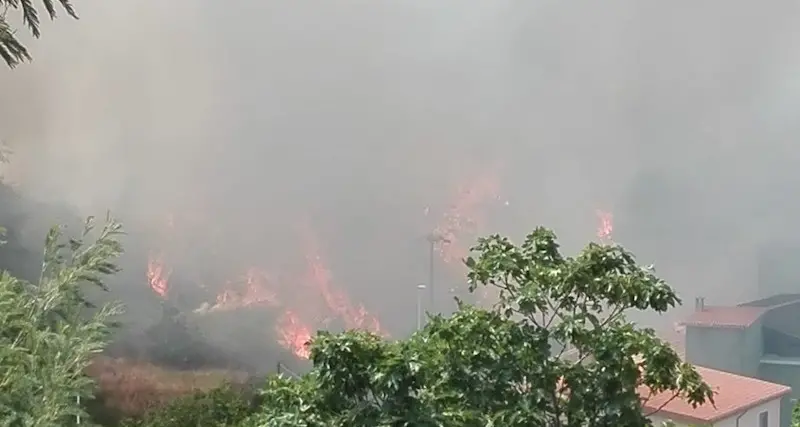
[
  {"x": 606, "y": 226},
  {"x": 158, "y": 276},
  {"x": 354, "y": 317},
  {"x": 294, "y": 335},
  {"x": 293, "y": 332},
  {"x": 256, "y": 289},
  {"x": 463, "y": 218},
  {"x": 254, "y": 292}
]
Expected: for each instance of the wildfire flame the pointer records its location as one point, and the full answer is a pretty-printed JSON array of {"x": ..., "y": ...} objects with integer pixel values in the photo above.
[
  {"x": 354, "y": 316},
  {"x": 294, "y": 335},
  {"x": 606, "y": 226},
  {"x": 158, "y": 275},
  {"x": 463, "y": 218},
  {"x": 252, "y": 291},
  {"x": 463, "y": 221},
  {"x": 302, "y": 311},
  {"x": 300, "y": 315}
]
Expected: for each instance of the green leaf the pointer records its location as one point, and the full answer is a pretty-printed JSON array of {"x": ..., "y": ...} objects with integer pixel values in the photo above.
[{"x": 46, "y": 337}]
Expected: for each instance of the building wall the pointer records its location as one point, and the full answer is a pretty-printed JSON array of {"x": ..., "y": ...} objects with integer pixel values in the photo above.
[
  {"x": 777, "y": 343},
  {"x": 785, "y": 319},
  {"x": 711, "y": 347},
  {"x": 748, "y": 418},
  {"x": 784, "y": 371},
  {"x": 787, "y": 408},
  {"x": 752, "y": 349}
]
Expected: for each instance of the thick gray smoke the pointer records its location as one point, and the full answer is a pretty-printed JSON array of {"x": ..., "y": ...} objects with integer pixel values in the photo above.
[{"x": 353, "y": 117}]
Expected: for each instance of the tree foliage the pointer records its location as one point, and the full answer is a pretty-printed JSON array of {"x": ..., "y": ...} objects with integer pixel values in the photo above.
[
  {"x": 506, "y": 366},
  {"x": 11, "y": 49},
  {"x": 47, "y": 336}
]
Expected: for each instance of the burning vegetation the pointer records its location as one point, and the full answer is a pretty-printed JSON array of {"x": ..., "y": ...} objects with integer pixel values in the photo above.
[
  {"x": 287, "y": 308},
  {"x": 298, "y": 303},
  {"x": 308, "y": 300},
  {"x": 606, "y": 226}
]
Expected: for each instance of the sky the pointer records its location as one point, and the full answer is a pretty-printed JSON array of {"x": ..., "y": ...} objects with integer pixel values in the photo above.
[{"x": 247, "y": 122}]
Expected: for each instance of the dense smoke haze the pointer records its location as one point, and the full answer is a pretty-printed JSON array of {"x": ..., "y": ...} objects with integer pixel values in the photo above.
[{"x": 250, "y": 126}]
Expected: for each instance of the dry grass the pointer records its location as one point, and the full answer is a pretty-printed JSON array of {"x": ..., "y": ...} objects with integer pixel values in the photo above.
[{"x": 131, "y": 388}]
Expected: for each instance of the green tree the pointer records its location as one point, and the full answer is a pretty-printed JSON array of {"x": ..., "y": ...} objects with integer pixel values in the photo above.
[
  {"x": 11, "y": 49},
  {"x": 505, "y": 366},
  {"x": 49, "y": 332}
]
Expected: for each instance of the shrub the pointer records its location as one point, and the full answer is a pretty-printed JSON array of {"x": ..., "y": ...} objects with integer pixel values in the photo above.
[
  {"x": 228, "y": 405},
  {"x": 47, "y": 335},
  {"x": 131, "y": 389}
]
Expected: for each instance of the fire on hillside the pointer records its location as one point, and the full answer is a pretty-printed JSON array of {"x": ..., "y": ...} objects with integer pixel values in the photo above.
[{"x": 310, "y": 299}]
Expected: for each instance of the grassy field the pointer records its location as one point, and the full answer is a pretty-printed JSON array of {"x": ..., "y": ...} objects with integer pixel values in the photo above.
[{"x": 131, "y": 388}]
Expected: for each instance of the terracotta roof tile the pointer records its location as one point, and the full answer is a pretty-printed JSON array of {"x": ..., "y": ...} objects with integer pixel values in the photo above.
[
  {"x": 725, "y": 317},
  {"x": 732, "y": 394}
]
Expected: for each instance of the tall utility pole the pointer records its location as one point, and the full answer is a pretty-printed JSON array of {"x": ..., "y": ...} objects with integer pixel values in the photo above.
[
  {"x": 420, "y": 290},
  {"x": 433, "y": 239}
]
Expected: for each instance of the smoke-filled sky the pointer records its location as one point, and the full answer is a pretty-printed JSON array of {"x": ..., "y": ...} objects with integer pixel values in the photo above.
[{"x": 251, "y": 120}]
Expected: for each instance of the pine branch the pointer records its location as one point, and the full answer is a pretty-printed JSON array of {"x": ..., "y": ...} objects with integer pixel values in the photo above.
[
  {"x": 65, "y": 4},
  {"x": 11, "y": 50},
  {"x": 30, "y": 16},
  {"x": 50, "y": 8}
]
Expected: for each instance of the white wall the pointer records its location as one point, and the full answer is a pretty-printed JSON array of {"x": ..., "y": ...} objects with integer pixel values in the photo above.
[{"x": 749, "y": 419}]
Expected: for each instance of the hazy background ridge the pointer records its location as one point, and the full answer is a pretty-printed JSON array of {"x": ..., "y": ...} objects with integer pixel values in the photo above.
[{"x": 357, "y": 115}]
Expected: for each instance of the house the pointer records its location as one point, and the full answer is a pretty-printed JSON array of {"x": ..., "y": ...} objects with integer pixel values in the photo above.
[
  {"x": 738, "y": 401},
  {"x": 758, "y": 339}
]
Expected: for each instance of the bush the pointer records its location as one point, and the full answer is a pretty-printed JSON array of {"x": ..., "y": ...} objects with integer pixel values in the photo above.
[
  {"x": 225, "y": 406},
  {"x": 131, "y": 389},
  {"x": 47, "y": 337}
]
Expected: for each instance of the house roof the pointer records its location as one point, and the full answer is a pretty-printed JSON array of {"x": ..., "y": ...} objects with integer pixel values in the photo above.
[
  {"x": 725, "y": 317},
  {"x": 733, "y": 394},
  {"x": 740, "y": 316},
  {"x": 774, "y": 301}
]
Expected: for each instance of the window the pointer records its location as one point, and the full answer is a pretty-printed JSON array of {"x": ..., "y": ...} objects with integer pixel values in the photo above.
[{"x": 763, "y": 419}]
